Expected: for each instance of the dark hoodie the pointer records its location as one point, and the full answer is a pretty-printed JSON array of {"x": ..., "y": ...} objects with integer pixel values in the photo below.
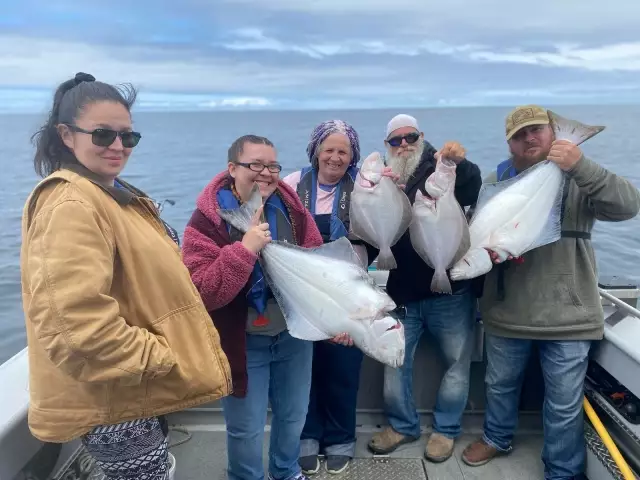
[{"x": 411, "y": 280}]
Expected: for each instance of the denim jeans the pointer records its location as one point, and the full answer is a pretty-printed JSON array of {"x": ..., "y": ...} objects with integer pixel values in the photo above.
[
  {"x": 331, "y": 420},
  {"x": 564, "y": 367},
  {"x": 279, "y": 371},
  {"x": 451, "y": 320}
]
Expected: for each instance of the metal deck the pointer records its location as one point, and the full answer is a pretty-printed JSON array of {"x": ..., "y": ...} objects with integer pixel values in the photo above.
[{"x": 204, "y": 457}]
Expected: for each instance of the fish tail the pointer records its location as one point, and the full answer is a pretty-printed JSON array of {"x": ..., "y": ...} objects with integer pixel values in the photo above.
[
  {"x": 386, "y": 260},
  {"x": 572, "y": 130},
  {"x": 440, "y": 282},
  {"x": 242, "y": 217}
]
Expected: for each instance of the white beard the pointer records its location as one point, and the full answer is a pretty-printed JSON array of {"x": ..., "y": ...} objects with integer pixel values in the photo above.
[{"x": 405, "y": 167}]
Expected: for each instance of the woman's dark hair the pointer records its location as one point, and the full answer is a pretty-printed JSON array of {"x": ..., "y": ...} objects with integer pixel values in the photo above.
[
  {"x": 70, "y": 99},
  {"x": 235, "y": 150}
]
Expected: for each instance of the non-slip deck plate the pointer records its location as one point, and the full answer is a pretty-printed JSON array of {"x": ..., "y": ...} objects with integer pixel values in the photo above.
[{"x": 378, "y": 469}]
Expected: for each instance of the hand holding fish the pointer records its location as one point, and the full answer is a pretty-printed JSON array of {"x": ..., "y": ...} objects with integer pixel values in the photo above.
[
  {"x": 258, "y": 235},
  {"x": 342, "y": 339},
  {"x": 388, "y": 172},
  {"x": 495, "y": 258},
  {"x": 564, "y": 154},
  {"x": 453, "y": 151}
]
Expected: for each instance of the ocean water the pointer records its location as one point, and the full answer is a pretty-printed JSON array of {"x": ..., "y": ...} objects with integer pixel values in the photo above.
[{"x": 180, "y": 152}]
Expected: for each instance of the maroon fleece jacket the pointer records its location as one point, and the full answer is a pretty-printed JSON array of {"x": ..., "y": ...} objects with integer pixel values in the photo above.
[{"x": 221, "y": 269}]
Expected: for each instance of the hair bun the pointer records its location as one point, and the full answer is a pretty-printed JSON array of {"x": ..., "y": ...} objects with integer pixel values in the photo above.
[{"x": 83, "y": 77}]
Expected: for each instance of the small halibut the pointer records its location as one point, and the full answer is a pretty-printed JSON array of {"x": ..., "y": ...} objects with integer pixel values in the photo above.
[
  {"x": 380, "y": 211},
  {"x": 439, "y": 231}
]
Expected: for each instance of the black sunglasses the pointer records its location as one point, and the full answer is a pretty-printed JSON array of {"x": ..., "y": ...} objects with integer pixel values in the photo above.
[
  {"x": 259, "y": 167},
  {"x": 104, "y": 137},
  {"x": 411, "y": 138}
]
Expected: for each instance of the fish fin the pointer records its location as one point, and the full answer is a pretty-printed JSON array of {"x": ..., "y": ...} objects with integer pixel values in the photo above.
[
  {"x": 301, "y": 328},
  {"x": 407, "y": 217},
  {"x": 465, "y": 241},
  {"x": 489, "y": 190},
  {"x": 297, "y": 324},
  {"x": 572, "y": 130},
  {"x": 386, "y": 260},
  {"x": 340, "y": 249},
  {"x": 440, "y": 282},
  {"x": 242, "y": 217},
  {"x": 550, "y": 232},
  {"x": 358, "y": 229}
]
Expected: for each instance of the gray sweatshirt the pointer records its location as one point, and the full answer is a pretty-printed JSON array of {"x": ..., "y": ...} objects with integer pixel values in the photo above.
[{"x": 554, "y": 295}]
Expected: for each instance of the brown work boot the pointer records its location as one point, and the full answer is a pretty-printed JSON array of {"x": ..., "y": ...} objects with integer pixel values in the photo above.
[
  {"x": 388, "y": 440},
  {"x": 439, "y": 448},
  {"x": 478, "y": 453}
]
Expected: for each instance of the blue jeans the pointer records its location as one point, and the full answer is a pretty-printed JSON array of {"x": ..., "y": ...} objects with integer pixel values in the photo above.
[
  {"x": 451, "y": 320},
  {"x": 331, "y": 420},
  {"x": 279, "y": 371},
  {"x": 564, "y": 367}
]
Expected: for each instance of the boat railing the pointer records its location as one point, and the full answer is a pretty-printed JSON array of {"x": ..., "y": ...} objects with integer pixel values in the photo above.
[{"x": 20, "y": 452}]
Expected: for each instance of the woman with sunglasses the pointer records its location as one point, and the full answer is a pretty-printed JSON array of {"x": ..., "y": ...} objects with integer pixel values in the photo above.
[
  {"x": 267, "y": 363},
  {"x": 325, "y": 189},
  {"x": 116, "y": 330}
]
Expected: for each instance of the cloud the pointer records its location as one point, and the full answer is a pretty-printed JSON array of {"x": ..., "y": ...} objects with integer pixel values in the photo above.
[
  {"x": 245, "y": 54},
  {"x": 462, "y": 17},
  {"x": 624, "y": 56},
  {"x": 36, "y": 62}
]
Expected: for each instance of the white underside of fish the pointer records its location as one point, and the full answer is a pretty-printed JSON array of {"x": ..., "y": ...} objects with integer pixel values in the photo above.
[
  {"x": 522, "y": 213},
  {"x": 516, "y": 219},
  {"x": 325, "y": 291},
  {"x": 439, "y": 230},
  {"x": 379, "y": 215}
]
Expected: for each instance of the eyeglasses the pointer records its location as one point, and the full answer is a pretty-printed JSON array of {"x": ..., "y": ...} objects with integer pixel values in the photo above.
[
  {"x": 104, "y": 137},
  {"x": 259, "y": 167},
  {"x": 411, "y": 138}
]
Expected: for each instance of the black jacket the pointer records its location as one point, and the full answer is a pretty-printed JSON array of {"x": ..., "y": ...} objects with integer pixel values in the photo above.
[{"x": 411, "y": 280}]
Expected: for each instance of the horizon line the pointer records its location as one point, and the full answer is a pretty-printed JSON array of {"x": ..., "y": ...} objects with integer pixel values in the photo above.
[{"x": 274, "y": 108}]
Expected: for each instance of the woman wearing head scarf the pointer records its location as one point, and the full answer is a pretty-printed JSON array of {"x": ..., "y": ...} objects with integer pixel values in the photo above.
[{"x": 325, "y": 190}]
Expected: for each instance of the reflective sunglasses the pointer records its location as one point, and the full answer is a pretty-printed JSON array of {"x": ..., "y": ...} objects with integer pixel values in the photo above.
[
  {"x": 104, "y": 137},
  {"x": 411, "y": 138},
  {"x": 259, "y": 167}
]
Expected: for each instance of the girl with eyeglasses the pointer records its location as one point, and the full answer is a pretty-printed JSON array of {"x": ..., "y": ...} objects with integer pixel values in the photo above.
[
  {"x": 267, "y": 363},
  {"x": 117, "y": 333}
]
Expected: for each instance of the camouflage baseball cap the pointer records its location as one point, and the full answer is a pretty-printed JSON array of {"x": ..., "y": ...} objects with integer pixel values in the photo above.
[{"x": 525, "y": 116}]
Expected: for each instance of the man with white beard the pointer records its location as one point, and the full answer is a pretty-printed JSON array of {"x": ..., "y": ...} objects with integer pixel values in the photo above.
[{"x": 449, "y": 318}]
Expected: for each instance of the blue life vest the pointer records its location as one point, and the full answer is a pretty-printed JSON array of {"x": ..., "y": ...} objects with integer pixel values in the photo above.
[
  {"x": 277, "y": 217},
  {"x": 339, "y": 224}
]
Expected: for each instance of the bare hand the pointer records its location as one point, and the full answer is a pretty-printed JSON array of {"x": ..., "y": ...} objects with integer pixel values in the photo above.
[
  {"x": 258, "y": 235},
  {"x": 343, "y": 339},
  {"x": 453, "y": 151},
  {"x": 388, "y": 172},
  {"x": 495, "y": 258},
  {"x": 564, "y": 154}
]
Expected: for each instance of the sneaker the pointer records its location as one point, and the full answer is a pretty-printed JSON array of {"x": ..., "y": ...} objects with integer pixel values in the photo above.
[
  {"x": 309, "y": 464},
  {"x": 478, "y": 453},
  {"x": 337, "y": 463},
  {"x": 300, "y": 476},
  {"x": 388, "y": 440},
  {"x": 439, "y": 448}
]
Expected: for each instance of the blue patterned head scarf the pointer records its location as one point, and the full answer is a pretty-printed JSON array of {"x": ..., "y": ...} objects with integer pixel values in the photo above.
[{"x": 322, "y": 131}]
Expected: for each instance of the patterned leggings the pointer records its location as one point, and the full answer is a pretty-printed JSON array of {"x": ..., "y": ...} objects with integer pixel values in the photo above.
[{"x": 129, "y": 450}]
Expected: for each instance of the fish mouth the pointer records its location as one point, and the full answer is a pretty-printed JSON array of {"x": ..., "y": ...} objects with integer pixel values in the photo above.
[
  {"x": 365, "y": 181},
  {"x": 397, "y": 326}
]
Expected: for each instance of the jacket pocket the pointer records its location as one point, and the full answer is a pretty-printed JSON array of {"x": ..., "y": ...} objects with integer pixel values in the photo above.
[
  {"x": 554, "y": 301},
  {"x": 201, "y": 368}
]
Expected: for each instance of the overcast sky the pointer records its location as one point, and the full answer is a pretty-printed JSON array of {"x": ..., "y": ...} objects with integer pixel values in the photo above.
[{"x": 214, "y": 54}]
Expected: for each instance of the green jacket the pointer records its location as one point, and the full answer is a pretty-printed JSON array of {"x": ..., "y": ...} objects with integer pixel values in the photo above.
[{"x": 554, "y": 294}]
